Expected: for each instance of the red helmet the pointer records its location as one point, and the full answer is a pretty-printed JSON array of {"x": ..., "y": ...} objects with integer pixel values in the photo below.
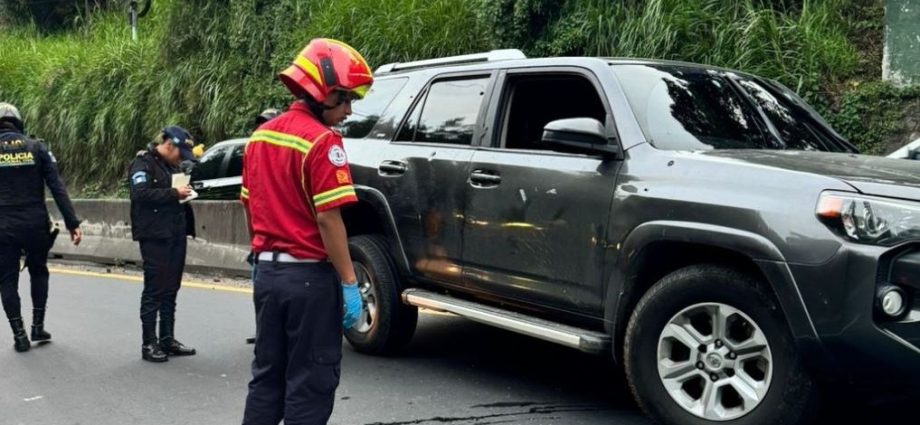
[{"x": 326, "y": 65}]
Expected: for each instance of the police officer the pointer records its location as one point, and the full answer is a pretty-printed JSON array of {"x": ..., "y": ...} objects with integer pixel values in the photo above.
[
  {"x": 295, "y": 180},
  {"x": 26, "y": 166},
  {"x": 160, "y": 223},
  {"x": 264, "y": 117}
]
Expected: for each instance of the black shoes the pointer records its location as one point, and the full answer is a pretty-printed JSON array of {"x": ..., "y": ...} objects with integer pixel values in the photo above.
[
  {"x": 175, "y": 348},
  {"x": 38, "y": 325},
  {"x": 168, "y": 342},
  {"x": 153, "y": 353},
  {"x": 150, "y": 350},
  {"x": 21, "y": 340}
]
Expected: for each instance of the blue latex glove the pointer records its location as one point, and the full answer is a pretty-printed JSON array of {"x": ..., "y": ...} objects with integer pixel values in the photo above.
[{"x": 354, "y": 305}]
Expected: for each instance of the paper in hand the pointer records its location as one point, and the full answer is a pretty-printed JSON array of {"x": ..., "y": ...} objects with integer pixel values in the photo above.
[{"x": 180, "y": 180}]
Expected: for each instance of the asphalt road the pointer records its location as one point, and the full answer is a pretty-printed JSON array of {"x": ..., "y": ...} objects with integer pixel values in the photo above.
[{"x": 455, "y": 372}]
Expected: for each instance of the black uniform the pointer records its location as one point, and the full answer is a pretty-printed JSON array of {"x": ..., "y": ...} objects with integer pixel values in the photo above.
[
  {"x": 160, "y": 223},
  {"x": 26, "y": 167}
]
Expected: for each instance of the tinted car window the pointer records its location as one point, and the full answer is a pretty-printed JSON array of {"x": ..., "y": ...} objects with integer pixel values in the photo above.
[
  {"x": 235, "y": 167},
  {"x": 795, "y": 126},
  {"x": 367, "y": 111},
  {"x": 682, "y": 108},
  {"x": 208, "y": 166},
  {"x": 448, "y": 113}
]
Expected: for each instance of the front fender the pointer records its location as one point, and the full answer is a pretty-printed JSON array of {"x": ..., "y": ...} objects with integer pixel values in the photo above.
[{"x": 621, "y": 294}]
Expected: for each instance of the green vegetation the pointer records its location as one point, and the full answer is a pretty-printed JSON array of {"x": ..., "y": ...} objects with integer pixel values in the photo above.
[{"x": 210, "y": 65}]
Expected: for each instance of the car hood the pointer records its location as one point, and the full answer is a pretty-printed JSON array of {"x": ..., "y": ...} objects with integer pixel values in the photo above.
[{"x": 868, "y": 174}]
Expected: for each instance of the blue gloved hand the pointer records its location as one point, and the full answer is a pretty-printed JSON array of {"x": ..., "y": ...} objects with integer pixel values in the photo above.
[{"x": 354, "y": 305}]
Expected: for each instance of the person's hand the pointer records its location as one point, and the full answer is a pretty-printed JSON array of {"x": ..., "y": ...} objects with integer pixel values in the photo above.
[
  {"x": 76, "y": 235},
  {"x": 184, "y": 191},
  {"x": 354, "y": 305}
]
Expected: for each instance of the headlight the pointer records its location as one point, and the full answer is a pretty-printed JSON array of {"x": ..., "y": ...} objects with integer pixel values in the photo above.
[{"x": 869, "y": 220}]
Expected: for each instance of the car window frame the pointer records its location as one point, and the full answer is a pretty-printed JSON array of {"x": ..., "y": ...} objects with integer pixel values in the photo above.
[
  {"x": 422, "y": 98},
  {"x": 500, "y": 108}
]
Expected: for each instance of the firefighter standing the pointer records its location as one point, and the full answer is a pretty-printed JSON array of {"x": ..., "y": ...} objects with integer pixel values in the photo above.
[
  {"x": 26, "y": 166},
  {"x": 295, "y": 179},
  {"x": 160, "y": 223},
  {"x": 264, "y": 117}
]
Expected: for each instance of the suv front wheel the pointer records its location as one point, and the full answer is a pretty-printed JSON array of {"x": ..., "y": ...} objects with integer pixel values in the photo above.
[
  {"x": 708, "y": 344},
  {"x": 387, "y": 324}
]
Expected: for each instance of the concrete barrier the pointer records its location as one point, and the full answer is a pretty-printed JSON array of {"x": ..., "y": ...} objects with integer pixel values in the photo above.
[{"x": 221, "y": 245}]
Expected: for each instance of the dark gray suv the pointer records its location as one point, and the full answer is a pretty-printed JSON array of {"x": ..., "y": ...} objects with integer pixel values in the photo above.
[{"x": 703, "y": 227}]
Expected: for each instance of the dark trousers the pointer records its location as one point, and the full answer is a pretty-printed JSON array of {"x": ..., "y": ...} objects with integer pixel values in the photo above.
[
  {"x": 164, "y": 262},
  {"x": 34, "y": 242},
  {"x": 298, "y": 350}
]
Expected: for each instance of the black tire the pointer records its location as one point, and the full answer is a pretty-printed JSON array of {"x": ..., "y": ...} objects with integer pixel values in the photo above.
[
  {"x": 395, "y": 322},
  {"x": 790, "y": 398}
]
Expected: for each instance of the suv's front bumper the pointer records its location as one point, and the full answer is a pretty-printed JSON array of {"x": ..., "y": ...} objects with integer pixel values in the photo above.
[{"x": 860, "y": 344}]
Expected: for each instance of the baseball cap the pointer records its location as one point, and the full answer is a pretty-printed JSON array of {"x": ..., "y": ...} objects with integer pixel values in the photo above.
[{"x": 183, "y": 140}]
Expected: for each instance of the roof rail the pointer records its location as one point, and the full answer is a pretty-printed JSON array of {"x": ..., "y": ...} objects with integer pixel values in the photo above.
[{"x": 494, "y": 55}]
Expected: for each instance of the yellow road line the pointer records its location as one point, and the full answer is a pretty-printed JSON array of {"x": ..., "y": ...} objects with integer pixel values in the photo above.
[
  {"x": 138, "y": 279},
  {"x": 190, "y": 284}
]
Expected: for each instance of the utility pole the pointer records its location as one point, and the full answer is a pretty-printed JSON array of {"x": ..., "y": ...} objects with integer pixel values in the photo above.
[
  {"x": 134, "y": 14},
  {"x": 132, "y": 18}
]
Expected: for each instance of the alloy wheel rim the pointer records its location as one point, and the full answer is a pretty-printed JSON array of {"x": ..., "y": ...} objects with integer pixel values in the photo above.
[
  {"x": 368, "y": 318},
  {"x": 715, "y": 361}
]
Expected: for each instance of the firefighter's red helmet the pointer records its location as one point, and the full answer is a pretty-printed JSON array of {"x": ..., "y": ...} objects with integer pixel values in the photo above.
[{"x": 327, "y": 65}]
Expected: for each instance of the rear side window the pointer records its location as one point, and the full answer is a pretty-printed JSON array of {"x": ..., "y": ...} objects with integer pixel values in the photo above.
[
  {"x": 681, "y": 108},
  {"x": 367, "y": 111},
  {"x": 448, "y": 113}
]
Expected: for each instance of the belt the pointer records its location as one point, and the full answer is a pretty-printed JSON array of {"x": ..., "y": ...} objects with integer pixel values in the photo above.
[{"x": 283, "y": 257}]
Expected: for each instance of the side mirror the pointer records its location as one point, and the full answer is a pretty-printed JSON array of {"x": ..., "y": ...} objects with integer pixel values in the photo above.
[{"x": 583, "y": 135}]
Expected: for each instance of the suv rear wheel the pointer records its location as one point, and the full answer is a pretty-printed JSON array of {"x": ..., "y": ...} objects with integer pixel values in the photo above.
[
  {"x": 707, "y": 344},
  {"x": 387, "y": 324}
]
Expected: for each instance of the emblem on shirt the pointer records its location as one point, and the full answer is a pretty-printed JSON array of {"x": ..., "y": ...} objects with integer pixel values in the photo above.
[
  {"x": 139, "y": 177},
  {"x": 342, "y": 177},
  {"x": 337, "y": 156}
]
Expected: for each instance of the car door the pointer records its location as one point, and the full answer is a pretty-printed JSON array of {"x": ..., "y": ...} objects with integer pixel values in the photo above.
[
  {"x": 423, "y": 174},
  {"x": 536, "y": 218},
  {"x": 209, "y": 176}
]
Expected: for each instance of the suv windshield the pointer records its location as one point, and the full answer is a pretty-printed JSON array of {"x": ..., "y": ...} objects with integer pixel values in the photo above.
[{"x": 687, "y": 108}]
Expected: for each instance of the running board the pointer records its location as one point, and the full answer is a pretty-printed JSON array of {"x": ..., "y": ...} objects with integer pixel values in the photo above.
[{"x": 580, "y": 339}]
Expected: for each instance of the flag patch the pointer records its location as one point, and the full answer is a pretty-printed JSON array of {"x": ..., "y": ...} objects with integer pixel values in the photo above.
[{"x": 139, "y": 177}]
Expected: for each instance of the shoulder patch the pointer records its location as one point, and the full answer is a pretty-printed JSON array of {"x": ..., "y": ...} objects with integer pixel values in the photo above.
[
  {"x": 342, "y": 176},
  {"x": 139, "y": 177},
  {"x": 53, "y": 159},
  {"x": 337, "y": 156}
]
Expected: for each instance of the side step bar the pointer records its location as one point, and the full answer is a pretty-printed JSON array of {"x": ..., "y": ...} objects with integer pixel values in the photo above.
[{"x": 569, "y": 336}]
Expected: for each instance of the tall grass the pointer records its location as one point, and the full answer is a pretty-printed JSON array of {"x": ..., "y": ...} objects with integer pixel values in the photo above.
[
  {"x": 802, "y": 46},
  {"x": 210, "y": 66}
]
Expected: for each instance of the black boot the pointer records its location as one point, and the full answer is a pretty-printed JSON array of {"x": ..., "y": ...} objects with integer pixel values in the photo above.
[
  {"x": 151, "y": 351},
  {"x": 168, "y": 342},
  {"x": 38, "y": 325},
  {"x": 19, "y": 335}
]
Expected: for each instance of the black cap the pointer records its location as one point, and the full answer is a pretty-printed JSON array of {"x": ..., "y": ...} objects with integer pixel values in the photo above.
[{"x": 182, "y": 139}]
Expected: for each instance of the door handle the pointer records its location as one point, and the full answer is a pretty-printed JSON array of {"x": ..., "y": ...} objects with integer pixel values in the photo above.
[
  {"x": 482, "y": 178},
  {"x": 393, "y": 168}
]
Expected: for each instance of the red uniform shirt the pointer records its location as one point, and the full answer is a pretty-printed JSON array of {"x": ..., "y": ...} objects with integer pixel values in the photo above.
[{"x": 293, "y": 165}]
